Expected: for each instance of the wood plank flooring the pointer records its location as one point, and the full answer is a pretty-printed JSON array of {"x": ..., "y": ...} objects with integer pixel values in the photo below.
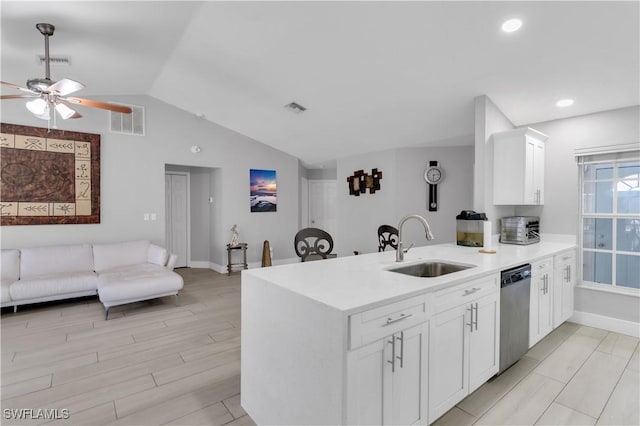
[{"x": 154, "y": 363}]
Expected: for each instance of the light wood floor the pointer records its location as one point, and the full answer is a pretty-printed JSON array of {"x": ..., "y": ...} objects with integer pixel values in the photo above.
[
  {"x": 156, "y": 363},
  {"x": 152, "y": 363}
]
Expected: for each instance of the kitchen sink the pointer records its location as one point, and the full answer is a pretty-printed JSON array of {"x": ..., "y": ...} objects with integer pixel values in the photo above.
[{"x": 430, "y": 269}]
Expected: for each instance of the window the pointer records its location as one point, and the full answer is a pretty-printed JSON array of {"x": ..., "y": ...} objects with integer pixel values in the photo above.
[{"x": 610, "y": 219}]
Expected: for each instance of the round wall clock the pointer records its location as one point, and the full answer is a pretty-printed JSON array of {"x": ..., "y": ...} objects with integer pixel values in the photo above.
[{"x": 433, "y": 175}]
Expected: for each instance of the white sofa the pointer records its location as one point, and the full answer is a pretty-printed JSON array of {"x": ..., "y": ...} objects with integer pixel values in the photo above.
[{"x": 118, "y": 273}]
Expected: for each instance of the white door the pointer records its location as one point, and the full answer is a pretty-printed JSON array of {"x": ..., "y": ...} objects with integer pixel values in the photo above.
[
  {"x": 322, "y": 205},
  {"x": 304, "y": 202},
  {"x": 538, "y": 174},
  {"x": 448, "y": 368},
  {"x": 177, "y": 216},
  {"x": 368, "y": 374},
  {"x": 483, "y": 342},
  {"x": 409, "y": 381}
]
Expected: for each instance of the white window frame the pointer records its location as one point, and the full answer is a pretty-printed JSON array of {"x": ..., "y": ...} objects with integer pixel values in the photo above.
[{"x": 610, "y": 154}]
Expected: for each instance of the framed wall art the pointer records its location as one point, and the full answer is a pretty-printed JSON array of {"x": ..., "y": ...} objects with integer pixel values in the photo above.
[
  {"x": 263, "y": 191},
  {"x": 48, "y": 176}
]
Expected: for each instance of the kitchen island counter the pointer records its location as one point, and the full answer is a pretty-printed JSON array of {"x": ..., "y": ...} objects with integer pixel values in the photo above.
[{"x": 351, "y": 284}]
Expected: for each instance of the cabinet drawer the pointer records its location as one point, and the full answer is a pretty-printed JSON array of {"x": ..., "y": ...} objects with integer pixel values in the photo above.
[
  {"x": 460, "y": 294},
  {"x": 368, "y": 326},
  {"x": 541, "y": 267},
  {"x": 566, "y": 257}
]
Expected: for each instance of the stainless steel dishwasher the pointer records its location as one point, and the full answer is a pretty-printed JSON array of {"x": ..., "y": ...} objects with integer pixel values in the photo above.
[{"x": 515, "y": 285}]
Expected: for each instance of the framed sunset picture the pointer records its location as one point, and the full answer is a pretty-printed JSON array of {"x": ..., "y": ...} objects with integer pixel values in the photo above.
[{"x": 263, "y": 194}]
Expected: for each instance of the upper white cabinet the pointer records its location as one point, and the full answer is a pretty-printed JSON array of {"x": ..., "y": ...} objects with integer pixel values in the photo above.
[
  {"x": 518, "y": 167},
  {"x": 565, "y": 280}
]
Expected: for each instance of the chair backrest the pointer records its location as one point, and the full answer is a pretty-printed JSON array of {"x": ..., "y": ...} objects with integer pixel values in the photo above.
[
  {"x": 313, "y": 242},
  {"x": 387, "y": 236}
]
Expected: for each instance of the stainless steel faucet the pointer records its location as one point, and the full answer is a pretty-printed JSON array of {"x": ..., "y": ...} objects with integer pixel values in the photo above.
[{"x": 400, "y": 251}]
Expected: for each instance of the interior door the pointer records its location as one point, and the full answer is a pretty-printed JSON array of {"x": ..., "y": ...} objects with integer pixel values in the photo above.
[
  {"x": 177, "y": 216},
  {"x": 322, "y": 205}
]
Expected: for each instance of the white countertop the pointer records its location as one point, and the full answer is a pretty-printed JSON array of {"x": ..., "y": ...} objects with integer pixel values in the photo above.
[{"x": 354, "y": 283}]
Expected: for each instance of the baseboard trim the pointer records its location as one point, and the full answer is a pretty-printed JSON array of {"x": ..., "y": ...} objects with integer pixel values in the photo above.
[
  {"x": 222, "y": 269},
  {"x": 616, "y": 325}
]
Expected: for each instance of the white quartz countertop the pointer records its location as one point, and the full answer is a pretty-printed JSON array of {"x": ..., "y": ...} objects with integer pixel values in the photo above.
[{"x": 355, "y": 283}]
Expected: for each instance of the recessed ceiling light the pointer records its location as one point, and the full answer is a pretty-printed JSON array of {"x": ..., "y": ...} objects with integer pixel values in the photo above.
[
  {"x": 564, "y": 103},
  {"x": 511, "y": 25}
]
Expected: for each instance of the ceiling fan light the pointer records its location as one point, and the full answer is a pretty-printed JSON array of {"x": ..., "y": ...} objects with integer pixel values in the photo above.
[
  {"x": 65, "y": 112},
  {"x": 38, "y": 107}
]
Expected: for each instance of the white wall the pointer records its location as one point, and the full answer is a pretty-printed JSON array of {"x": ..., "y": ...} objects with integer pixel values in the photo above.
[
  {"x": 132, "y": 181},
  {"x": 559, "y": 214},
  {"x": 403, "y": 191},
  {"x": 489, "y": 120}
]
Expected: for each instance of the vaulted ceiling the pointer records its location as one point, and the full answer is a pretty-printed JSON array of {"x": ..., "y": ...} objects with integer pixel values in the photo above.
[{"x": 372, "y": 75}]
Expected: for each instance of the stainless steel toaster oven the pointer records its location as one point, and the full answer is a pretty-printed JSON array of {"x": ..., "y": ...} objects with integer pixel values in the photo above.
[{"x": 520, "y": 230}]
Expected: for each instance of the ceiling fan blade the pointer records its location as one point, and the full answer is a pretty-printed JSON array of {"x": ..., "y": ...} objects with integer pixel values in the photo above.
[
  {"x": 65, "y": 111},
  {"x": 65, "y": 86},
  {"x": 15, "y": 86},
  {"x": 98, "y": 104},
  {"x": 18, "y": 96}
]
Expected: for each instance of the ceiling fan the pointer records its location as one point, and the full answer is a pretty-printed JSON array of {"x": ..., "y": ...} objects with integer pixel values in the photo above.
[{"x": 49, "y": 95}]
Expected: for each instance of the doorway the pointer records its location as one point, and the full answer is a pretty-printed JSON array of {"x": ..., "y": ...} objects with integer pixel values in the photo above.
[
  {"x": 177, "y": 216},
  {"x": 322, "y": 205}
]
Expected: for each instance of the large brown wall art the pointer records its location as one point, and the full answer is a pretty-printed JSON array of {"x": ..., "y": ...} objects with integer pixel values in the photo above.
[{"x": 48, "y": 176}]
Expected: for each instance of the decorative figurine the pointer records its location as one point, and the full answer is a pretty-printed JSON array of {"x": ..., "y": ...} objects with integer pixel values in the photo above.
[{"x": 234, "y": 238}]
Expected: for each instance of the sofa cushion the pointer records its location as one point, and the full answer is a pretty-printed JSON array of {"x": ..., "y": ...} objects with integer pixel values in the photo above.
[
  {"x": 10, "y": 264},
  {"x": 53, "y": 284},
  {"x": 52, "y": 260},
  {"x": 112, "y": 256},
  {"x": 137, "y": 282},
  {"x": 157, "y": 255},
  {"x": 4, "y": 290}
]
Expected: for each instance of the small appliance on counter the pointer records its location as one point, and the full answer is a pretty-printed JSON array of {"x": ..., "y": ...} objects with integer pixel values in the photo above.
[
  {"x": 520, "y": 230},
  {"x": 470, "y": 228}
]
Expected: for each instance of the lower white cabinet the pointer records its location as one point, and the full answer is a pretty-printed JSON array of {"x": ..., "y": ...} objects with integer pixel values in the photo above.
[
  {"x": 463, "y": 347},
  {"x": 540, "y": 303},
  {"x": 564, "y": 283},
  {"x": 387, "y": 379}
]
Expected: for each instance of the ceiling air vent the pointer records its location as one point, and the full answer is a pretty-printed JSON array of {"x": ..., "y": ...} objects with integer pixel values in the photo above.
[
  {"x": 129, "y": 124},
  {"x": 295, "y": 107},
  {"x": 55, "y": 60}
]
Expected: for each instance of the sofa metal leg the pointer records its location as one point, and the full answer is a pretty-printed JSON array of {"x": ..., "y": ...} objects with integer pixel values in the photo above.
[
  {"x": 106, "y": 313},
  {"x": 15, "y": 308}
]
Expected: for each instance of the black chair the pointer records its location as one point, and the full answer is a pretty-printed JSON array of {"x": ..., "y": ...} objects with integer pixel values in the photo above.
[
  {"x": 313, "y": 244},
  {"x": 387, "y": 236}
]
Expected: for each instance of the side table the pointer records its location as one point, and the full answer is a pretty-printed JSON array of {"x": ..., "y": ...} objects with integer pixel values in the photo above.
[{"x": 230, "y": 264}]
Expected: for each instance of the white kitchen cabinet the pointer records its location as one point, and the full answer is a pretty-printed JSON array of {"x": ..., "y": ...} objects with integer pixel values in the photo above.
[
  {"x": 387, "y": 379},
  {"x": 463, "y": 343},
  {"x": 564, "y": 283},
  {"x": 540, "y": 303},
  {"x": 518, "y": 167}
]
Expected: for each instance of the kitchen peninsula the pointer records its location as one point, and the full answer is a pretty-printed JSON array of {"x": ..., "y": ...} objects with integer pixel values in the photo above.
[{"x": 346, "y": 341}]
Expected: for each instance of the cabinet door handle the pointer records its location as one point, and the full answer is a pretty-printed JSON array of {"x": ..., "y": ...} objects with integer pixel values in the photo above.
[
  {"x": 470, "y": 291},
  {"x": 470, "y": 323},
  {"x": 400, "y": 318},
  {"x": 476, "y": 316},
  {"x": 401, "y": 357},
  {"x": 569, "y": 271},
  {"x": 393, "y": 353}
]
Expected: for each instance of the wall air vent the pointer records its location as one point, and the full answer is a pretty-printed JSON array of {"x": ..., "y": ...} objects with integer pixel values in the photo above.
[
  {"x": 55, "y": 60},
  {"x": 128, "y": 124},
  {"x": 295, "y": 107}
]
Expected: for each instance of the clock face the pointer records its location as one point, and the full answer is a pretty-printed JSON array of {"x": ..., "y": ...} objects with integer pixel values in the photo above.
[{"x": 433, "y": 175}]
